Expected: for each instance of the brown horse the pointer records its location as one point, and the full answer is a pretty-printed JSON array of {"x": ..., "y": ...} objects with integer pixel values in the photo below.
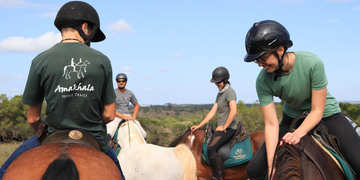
[
  {"x": 63, "y": 161},
  {"x": 305, "y": 161},
  {"x": 195, "y": 140}
]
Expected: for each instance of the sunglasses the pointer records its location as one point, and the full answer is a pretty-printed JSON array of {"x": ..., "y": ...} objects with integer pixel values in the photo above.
[
  {"x": 262, "y": 59},
  {"x": 120, "y": 81}
]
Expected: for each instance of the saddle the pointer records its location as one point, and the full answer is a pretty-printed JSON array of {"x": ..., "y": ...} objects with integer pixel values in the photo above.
[
  {"x": 326, "y": 142},
  {"x": 235, "y": 152},
  {"x": 71, "y": 137}
]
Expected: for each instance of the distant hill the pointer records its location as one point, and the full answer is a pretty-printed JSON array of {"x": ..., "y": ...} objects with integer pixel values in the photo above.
[{"x": 354, "y": 102}]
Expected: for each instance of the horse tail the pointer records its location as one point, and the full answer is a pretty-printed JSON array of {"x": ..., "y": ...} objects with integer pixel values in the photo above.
[{"x": 61, "y": 168}]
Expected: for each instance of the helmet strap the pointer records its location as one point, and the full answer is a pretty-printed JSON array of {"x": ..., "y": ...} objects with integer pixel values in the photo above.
[
  {"x": 86, "y": 38},
  {"x": 279, "y": 71}
]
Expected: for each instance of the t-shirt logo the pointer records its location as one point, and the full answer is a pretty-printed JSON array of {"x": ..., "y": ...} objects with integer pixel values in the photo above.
[{"x": 79, "y": 68}]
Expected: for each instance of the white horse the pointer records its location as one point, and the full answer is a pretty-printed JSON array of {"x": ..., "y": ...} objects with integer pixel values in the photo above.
[{"x": 140, "y": 160}]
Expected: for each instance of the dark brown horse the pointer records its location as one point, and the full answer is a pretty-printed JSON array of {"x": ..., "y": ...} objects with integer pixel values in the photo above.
[
  {"x": 195, "y": 140},
  {"x": 63, "y": 161},
  {"x": 305, "y": 161}
]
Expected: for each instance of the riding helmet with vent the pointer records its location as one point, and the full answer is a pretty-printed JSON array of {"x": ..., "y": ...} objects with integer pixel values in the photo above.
[
  {"x": 121, "y": 76},
  {"x": 265, "y": 36},
  {"x": 74, "y": 13},
  {"x": 220, "y": 74}
]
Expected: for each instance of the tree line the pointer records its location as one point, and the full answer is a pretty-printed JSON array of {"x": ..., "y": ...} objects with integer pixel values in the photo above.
[{"x": 163, "y": 123}]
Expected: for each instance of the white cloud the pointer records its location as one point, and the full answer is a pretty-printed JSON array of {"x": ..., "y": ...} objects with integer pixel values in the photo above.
[
  {"x": 23, "y": 44},
  {"x": 121, "y": 26},
  {"x": 12, "y": 3}
]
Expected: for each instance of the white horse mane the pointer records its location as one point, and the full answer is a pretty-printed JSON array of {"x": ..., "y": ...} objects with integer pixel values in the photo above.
[{"x": 131, "y": 132}]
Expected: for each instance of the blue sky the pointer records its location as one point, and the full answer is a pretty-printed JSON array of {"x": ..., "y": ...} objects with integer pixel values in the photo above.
[{"x": 169, "y": 48}]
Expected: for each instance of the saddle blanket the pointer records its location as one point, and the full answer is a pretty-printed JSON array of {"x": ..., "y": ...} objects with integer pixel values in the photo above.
[{"x": 239, "y": 154}]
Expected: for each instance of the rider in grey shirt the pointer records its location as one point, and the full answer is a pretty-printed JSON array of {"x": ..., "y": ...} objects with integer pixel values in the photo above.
[{"x": 123, "y": 99}]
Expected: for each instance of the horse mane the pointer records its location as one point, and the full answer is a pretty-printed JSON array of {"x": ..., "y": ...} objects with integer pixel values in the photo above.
[
  {"x": 178, "y": 139},
  {"x": 288, "y": 162},
  {"x": 61, "y": 168}
]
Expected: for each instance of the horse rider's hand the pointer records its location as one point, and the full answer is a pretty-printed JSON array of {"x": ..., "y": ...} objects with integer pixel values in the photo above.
[
  {"x": 131, "y": 118},
  {"x": 128, "y": 118},
  {"x": 290, "y": 138},
  {"x": 220, "y": 128},
  {"x": 194, "y": 128}
]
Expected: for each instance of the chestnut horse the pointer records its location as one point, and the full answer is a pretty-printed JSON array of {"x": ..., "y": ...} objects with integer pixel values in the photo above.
[
  {"x": 195, "y": 140},
  {"x": 63, "y": 161},
  {"x": 305, "y": 161}
]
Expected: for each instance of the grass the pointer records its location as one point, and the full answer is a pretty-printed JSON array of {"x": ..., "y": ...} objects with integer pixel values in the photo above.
[{"x": 6, "y": 149}]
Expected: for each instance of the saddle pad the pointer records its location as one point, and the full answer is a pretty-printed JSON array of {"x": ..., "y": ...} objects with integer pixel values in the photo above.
[
  {"x": 240, "y": 153},
  {"x": 345, "y": 167}
]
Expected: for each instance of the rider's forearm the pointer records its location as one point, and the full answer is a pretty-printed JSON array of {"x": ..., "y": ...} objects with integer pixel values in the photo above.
[
  {"x": 209, "y": 116},
  {"x": 121, "y": 116},
  {"x": 109, "y": 112},
  {"x": 136, "y": 110},
  {"x": 271, "y": 141},
  {"x": 318, "y": 101},
  {"x": 230, "y": 119},
  {"x": 205, "y": 120},
  {"x": 34, "y": 113},
  {"x": 309, "y": 123},
  {"x": 231, "y": 115},
  {"x": 271, "y": 131}
]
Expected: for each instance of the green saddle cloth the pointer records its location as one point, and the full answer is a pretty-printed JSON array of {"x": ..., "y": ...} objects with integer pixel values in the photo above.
[
  {"x": 239, "y": 154},
  {"x": 346, "y": 167}
]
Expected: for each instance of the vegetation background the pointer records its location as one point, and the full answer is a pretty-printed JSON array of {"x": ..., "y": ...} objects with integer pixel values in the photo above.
[{"x": 163, "y": 123}]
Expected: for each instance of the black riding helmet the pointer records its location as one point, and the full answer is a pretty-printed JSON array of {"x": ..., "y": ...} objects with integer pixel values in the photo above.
[
  {"x": 74, "y": 13},
  {"x": 121, "y": 76},
  {"x": 220, "y": 74},
  {"x": 265, "y": 36}
]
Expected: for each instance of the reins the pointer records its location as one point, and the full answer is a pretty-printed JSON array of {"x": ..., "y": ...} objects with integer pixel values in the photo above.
[
  {"x": 292, "y": 128},
  {"x": 128, "y": 125}
]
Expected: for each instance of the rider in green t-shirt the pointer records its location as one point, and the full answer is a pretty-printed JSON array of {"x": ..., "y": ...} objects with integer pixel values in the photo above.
[
  {"x": 74, "y": 80},
  {"x": 299, "y": 80},
  {"x": 226, "y": 124}
]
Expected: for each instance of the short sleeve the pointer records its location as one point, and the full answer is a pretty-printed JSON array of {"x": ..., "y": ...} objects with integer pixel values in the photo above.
[
  {"x": 231, "y": 96},
  {"x": 33, "y": 93},
  {"x": 318, "y": 76},
  {"x": 133, "y": 99},
  {"x": 263, "y": 92},
  {"x": 108, "y": 93}
]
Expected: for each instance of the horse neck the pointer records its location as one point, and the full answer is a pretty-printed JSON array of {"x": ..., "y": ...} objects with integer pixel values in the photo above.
[
  {"x": 194, "y": 142},
  {"x": 130, "y": 135}
]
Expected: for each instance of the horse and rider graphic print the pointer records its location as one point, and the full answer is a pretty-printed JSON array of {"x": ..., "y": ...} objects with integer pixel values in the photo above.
[
  {"x": 75, "y": 79},
  {"x": 79, "y": 68}
]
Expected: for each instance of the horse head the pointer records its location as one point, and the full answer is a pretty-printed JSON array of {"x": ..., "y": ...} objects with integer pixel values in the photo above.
[
  {"x": 192, "y": 140},
  {"x": 131, "y": 132}
]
